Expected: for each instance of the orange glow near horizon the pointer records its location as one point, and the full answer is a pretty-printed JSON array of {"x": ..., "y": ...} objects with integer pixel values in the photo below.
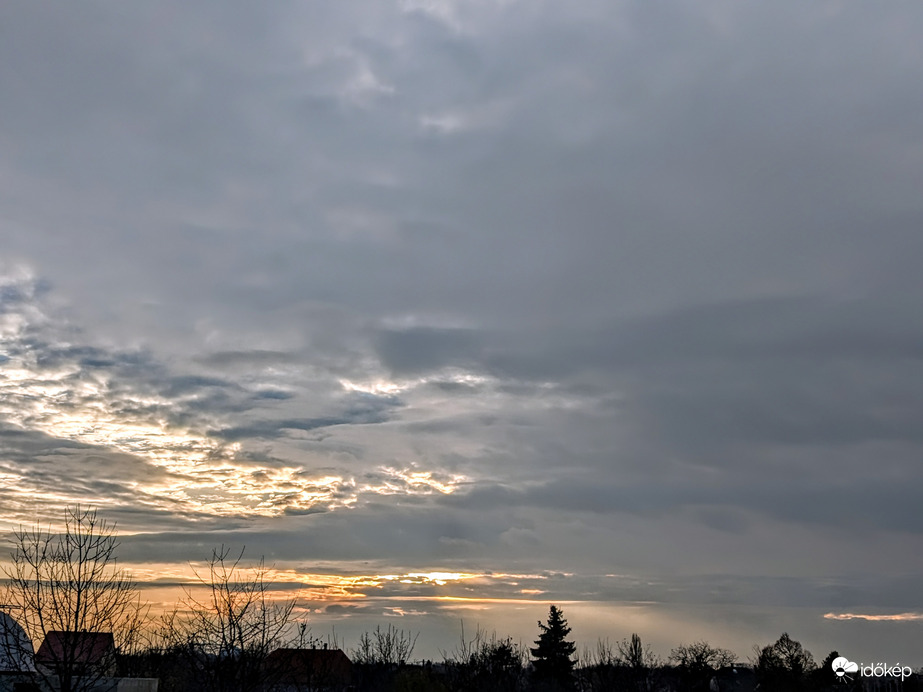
[{"x": 325, "y": 587}]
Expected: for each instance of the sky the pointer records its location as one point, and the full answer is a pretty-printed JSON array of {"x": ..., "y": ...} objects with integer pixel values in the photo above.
[{"x": 454, "y": 309}]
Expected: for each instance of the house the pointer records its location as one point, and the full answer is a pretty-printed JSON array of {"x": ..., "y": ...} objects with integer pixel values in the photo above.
[
  {"x": 80, "y": 653},
  {"x": 300, "y": 670},
  {"x": 88, "y": 655},
  {"x": 15, "y": 646}
]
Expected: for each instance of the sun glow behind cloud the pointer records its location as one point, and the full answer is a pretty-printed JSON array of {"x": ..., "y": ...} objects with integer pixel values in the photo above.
[
  {"x": 417, "y": 481},
  {"x": 59, "y": 404},
  {"x": 204, "y": 474},
  {"x": 375, "y": 386},
  {"x": 124, "y": 403}
]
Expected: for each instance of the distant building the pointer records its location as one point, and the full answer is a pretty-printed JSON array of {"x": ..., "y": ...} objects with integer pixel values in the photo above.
[{"x": 295, "y": 670}]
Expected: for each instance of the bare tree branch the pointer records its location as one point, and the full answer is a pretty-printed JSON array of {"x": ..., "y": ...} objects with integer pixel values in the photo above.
[
  {"x": 226, "y": 635},
  {"x": 67, "y": 590}
]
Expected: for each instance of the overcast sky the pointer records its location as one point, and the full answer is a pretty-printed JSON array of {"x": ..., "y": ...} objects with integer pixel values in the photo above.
[{"x": 613, "y": 304}]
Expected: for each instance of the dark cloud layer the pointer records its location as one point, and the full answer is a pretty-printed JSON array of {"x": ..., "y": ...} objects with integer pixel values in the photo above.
[{"x": 493, "y": 287}]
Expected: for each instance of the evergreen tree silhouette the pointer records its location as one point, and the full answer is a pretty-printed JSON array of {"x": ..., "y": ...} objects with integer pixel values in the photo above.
[{"x": 551, "y": 656}]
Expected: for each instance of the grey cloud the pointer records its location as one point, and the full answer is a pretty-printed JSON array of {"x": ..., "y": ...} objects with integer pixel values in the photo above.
[
  {"x": 783, "y": 330},
  {"x": 781, "y": 372},
  {"x": 369, "y": 412},
  {"x": 254, "y": 357},
  {"x": 66, "y": 471},
  {"x": 425, "y": 349},
  {"x": 380, "y": 532},
  {"x": 186, "y": 384},
  {"x": 15, "y": 294},
  {"x": 273, "y": 394},
  {"x": 449, "y": 386},
  {"x": 729, "y": 504},
  {"x": 343, "y": 609}
]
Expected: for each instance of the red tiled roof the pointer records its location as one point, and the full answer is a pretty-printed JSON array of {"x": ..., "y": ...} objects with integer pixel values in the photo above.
[{"x": 78, "y": 647}]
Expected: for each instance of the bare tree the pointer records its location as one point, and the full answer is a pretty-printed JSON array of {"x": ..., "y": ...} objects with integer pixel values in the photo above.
[
  {"x": 640, "y": 664},
  {"x": 697, "y": 663},
  {"x": 784, "y": 666},
  {"x": 226, "y": 636},
  {"x": 629, "y": 666},
  {"x": 390, "y": 648},
  {"x": 381, "y": 654},
  {"x": 67, "y": 590},
  {"x": 488, "y": 663},
  {"x": 599, "y": 668}
]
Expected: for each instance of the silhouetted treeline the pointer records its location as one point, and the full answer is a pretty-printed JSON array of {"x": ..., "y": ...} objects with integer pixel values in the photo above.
[{"x": 490, "y": 663}]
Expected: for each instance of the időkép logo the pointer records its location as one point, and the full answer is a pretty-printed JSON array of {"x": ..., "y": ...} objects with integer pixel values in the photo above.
[{"x": 843, "y": 667}]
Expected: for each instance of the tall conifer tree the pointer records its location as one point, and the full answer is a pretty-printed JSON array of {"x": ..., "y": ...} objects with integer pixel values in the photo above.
[{"x": 551, "y": 656}]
